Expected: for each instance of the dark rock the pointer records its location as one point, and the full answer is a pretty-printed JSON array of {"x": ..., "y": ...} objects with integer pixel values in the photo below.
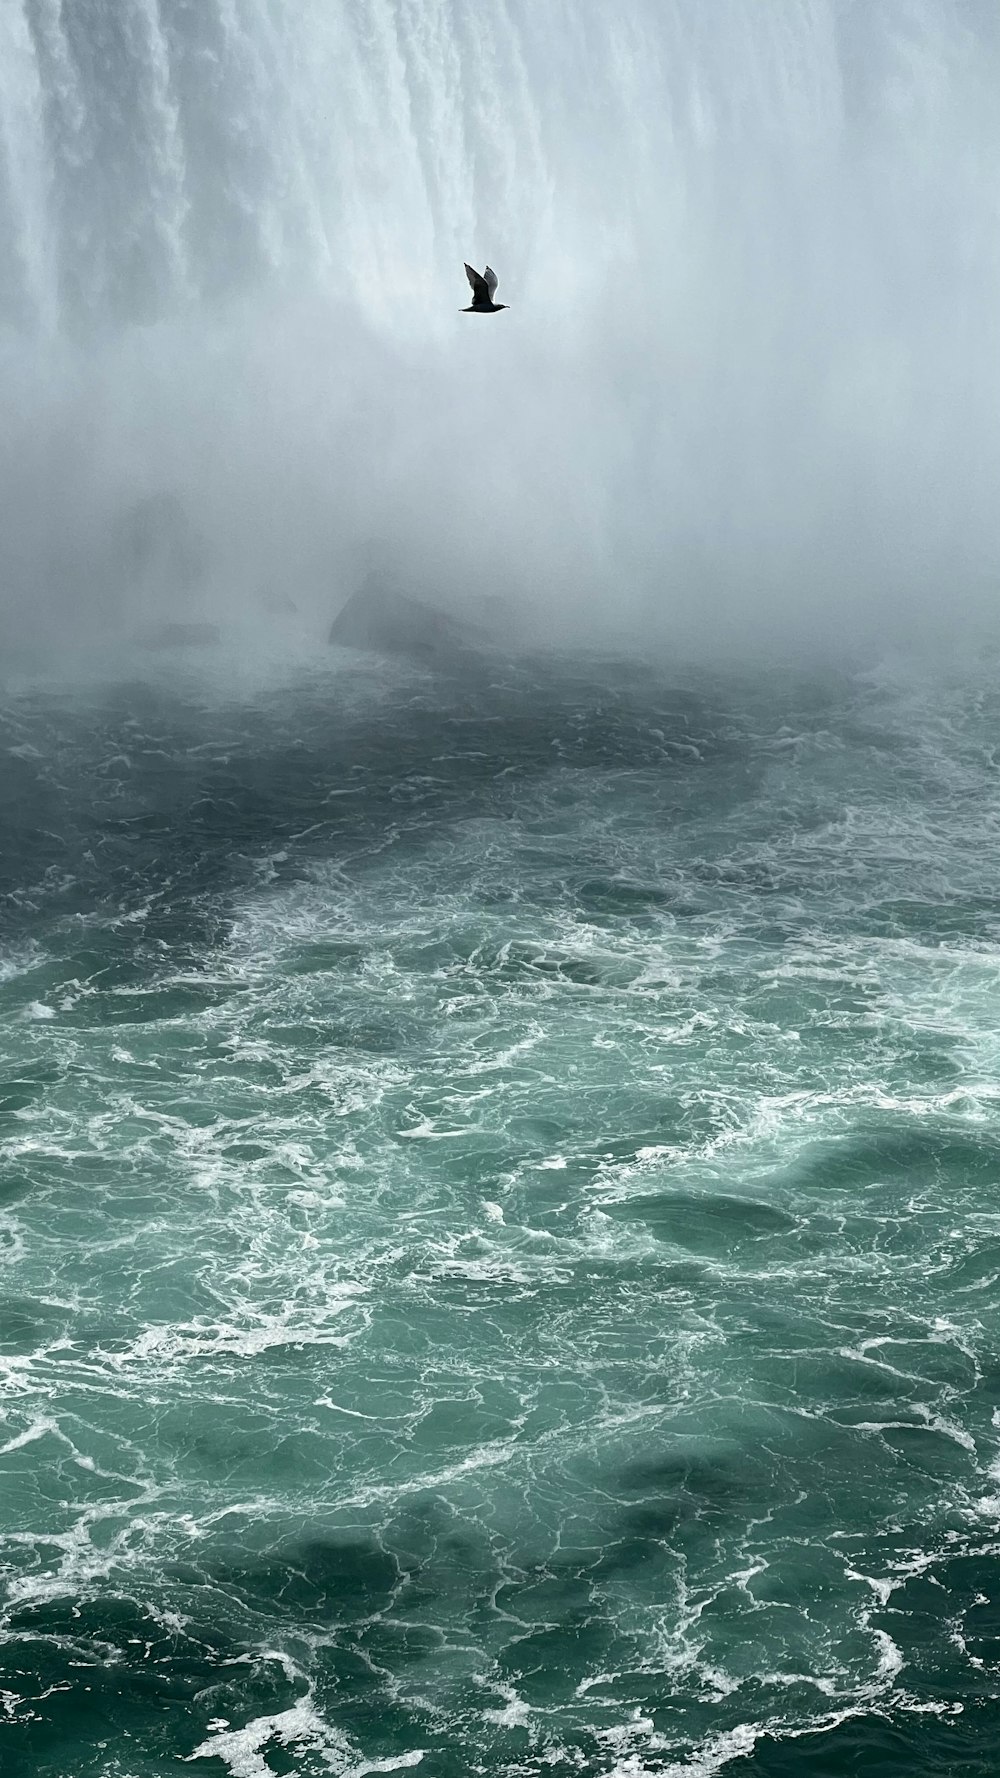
[
  {"x": 278, "y": 604},
  {"x": 379, "y": 618},
  {"x": 180, "y": 636},
  {"x": 157, "y": 548}
]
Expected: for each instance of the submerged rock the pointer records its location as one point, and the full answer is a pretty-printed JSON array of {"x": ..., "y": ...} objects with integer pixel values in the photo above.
[
  {"x": 158, "y": 552},
  {"x": 385, "y": 621},
  {"x": 278, "y": 604},
  {"x": 194, "y": 635}
]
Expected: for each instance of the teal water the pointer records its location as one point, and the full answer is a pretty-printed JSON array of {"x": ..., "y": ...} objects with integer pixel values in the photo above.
[{"x": 499, "y": 1224}]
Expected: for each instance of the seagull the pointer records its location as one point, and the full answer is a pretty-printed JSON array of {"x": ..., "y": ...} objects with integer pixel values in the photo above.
[{"x": 483, "y": 291}]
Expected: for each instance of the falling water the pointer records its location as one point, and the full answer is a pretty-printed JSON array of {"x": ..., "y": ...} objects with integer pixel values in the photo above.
[{"x": 749, "y": 366}]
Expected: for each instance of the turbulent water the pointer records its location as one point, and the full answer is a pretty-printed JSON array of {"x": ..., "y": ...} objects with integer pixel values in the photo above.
[{"x": 500, "y": 1234}]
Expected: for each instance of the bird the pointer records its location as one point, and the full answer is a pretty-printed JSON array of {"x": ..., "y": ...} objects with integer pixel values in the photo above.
[{"x": 483, "y": 291}]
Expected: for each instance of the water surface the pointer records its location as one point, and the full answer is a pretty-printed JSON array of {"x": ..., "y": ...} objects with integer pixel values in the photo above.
[{"x": 499, "y": 1223}]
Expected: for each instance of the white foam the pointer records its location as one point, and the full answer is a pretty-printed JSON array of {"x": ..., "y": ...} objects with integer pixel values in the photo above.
[
  {"x": 302, "y": 1728},
  {"x": 890, "y": 1657},
  {"x": 425, "y": 1131},
  {"x": 707, "y": 1760},
  {"x": 41, "y": 1428},
  {"x": 14, "y": 963},
  {"x": 242, "y": 1750},
  {"x": 516, "y": 1714},
  {"x": 395, "y": 1763},
  {"x": 222, "y": 1340}
]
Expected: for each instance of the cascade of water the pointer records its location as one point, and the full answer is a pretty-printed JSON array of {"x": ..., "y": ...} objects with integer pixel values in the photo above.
[
  {"x": 158, "y": 149},
  {"x": 751, "y": 251},
  {"x": 27, "y": 280}
]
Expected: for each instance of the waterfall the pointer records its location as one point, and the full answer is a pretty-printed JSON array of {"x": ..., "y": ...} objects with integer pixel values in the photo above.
[
  {"x": 158, "y": 151},
  {"x": 750, "y": 252}
]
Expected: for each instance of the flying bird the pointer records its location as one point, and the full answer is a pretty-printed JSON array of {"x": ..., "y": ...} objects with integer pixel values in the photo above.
[{"x": 483, "y": 291}]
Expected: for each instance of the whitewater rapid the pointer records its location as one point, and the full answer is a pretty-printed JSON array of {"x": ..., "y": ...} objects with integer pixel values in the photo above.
[{"x": 498, "y": 1211}]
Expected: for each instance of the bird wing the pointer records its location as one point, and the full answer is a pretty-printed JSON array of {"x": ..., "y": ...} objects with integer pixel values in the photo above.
[
  {"x": 480, "y": 286},
  {"x": 490, "y": 280}
]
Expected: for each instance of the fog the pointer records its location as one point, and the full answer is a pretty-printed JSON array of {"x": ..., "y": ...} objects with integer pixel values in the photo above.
[{"x": 747, "y": 393}]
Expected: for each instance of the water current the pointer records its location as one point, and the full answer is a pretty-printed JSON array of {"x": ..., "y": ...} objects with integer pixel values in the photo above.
[{"x": 498, "y": 1221}]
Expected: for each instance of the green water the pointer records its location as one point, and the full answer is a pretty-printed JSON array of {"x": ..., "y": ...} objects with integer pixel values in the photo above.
[{"x": 499, "y": 1224}]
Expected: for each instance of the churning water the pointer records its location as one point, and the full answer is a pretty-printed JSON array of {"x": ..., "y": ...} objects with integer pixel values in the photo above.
[
  {"x": 500, "y": 1225},
  {"x": 499, "y": 1232}
]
